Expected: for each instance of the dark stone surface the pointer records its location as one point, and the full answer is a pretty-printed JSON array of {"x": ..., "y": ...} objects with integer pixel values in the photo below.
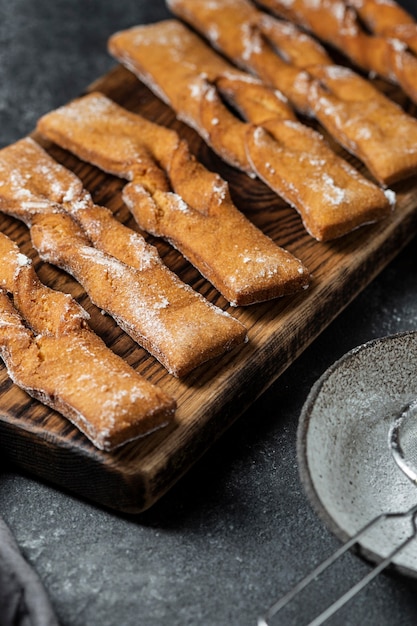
[{"x": 237, "y": 531}]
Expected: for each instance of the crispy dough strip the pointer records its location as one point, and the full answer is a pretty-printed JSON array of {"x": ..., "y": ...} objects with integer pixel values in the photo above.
[
  {"x": 185, "y": 88},
  {"x": 240, "y": 31},
  {"x": 391, "y": 21},
  {"x": 295, "y": 46},
  {"x": 338, "y": 199},
  {"x": 337, "y": 22},
  {"x": 191, "y": 207},
  {"x": 252, "y": 100},
  {"x": 354, "y": 112},
  {"x": 365, "y": 122},
  {"x": 250, "y": 39},
  {"x": 365, "y": 202},
  {"x": 181, "y": 70},
  {"x": 165, "y": 316},
  {"x": 380, "y": 15},
  {"x": 34, "y": 300},
  {"x": 388, "y": 19},
  {"x": 51, "y": 353},
  {"x": 179, "y": 334}
]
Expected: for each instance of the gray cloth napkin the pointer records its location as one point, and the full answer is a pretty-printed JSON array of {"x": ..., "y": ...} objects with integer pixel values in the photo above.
[{"x": 23, "y": 601}]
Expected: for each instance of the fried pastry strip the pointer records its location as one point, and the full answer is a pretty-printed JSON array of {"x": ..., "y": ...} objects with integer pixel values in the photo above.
[
  {"x": 182, "y": 74},
  {"x": 50, "y": 352},
  {"x": 337, "y": 23},
  {"x": 171, "y": 195},
  {"x": 387, "y": 19},
  {"x": 165, "y": 316},
  {"x": 234, "y": 29},
  {"x": 169, "y": 57},
  {"x": 380, "y": 16},
  {"x": 356, "y": 114}
]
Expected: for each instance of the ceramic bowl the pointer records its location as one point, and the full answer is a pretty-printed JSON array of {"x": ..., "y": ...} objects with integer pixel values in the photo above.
[{"x": 345, "y": 462}]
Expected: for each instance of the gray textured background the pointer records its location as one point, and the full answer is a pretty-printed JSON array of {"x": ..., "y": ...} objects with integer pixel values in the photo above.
[{"x": 237, "y": 531}]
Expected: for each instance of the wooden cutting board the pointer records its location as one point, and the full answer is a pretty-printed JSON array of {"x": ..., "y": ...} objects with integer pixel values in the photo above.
[{"x": 43, "y": 443}]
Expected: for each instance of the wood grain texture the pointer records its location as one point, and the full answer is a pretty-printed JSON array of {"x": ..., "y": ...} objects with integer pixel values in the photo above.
[{"x": 43, "y": 443}]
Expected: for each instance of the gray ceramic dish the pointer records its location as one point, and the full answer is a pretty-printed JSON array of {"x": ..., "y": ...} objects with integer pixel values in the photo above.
[{"x": 344, "y": 459}]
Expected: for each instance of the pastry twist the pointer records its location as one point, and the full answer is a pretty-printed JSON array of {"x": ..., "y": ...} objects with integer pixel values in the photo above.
[
  {"x": 357, "y": 115},
  {"x": 50, "y": 352},
  {"x": 148, "y": 301},
  {"x": 160, "y": 52},
  {"x": 172, "y": 195},
  {"x": 387, "y": 46}
]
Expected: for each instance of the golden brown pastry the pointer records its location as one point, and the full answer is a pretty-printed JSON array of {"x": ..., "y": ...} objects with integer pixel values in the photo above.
[
  {"x": 382, "y": 17},
  {"x": 347, "y": 200},
  {"x": 365, "y": 122},
  {"x": 294, "y": 45},
  {"x": 182, "y": 201},
  {"x": 392, "y": 22},
  {"x": 356, "y": 114},
  {"x": 183, "y": 86},
  {"x": 252, "y": 99},
  {"x": 339, "y": 198},
  {"x": 173, "y": 71},
  {"x": 331, "y": 196},
  {"x": 50, "y": 352},
  {"x": 321, "y": 17},
  {"x": 389, "y": 51},
  {"x": 174, "y": 323},
  {"x": 239, "y": 30}
]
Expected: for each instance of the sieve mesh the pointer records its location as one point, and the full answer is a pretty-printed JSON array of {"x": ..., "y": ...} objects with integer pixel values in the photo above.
[{"x": 402, "y": 440}]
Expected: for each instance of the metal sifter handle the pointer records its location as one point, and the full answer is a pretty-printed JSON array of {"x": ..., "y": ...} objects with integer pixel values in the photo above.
[{"x": 402, "y": 440}]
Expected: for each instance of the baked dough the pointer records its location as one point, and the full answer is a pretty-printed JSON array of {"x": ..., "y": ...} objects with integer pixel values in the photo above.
[
  {"x": 295, "y": 46},
  {"x": 356, "y": 114},
  {"x": 50, "y": 352},
  {"x": 174, "y": 323},
  {"x": 382, "y": 17},
  {"x": 238, "y": 30},
  {"x": 173, "y": 60},
  {"x": 347, "y": 200},
  {"x": 389, "y": 51},
  {"x": 172, "y": 195},
  {"x": 390, "y": 20}
]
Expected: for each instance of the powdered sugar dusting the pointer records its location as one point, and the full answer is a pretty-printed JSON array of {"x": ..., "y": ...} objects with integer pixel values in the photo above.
[
  {"x": 139, "y": 308},
  {"x": 332, "y": 193},
  {"x": 177, "y": 203},
  {"x": 263, "y": 265},
  {"x": 391, "y": 196},
  {"x": 145, "y": 254},
  {"x": 252, "y": 42},
  {"x": 23, "y": 260},
  {"x": 33, "y": 180},
  {"x": 220, "y": 190},
  {"x": 338, "y": 72}
]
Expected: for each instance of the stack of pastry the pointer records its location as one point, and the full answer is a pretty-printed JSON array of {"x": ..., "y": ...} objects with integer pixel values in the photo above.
[
  {"x": 387, "y": 19},
  {"x": 122, "y": 275},
  {"x": 294, "y": 160},
  {"x": 172, "y": 195},
  {"x": 251, "y": 111},
  {"x": 377, "y": 35},
  {"x": 352, "y": 110},
  {"x": 50, "y": 352}
]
